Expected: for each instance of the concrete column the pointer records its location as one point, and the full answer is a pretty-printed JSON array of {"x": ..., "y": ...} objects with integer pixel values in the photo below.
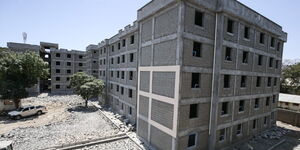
[{"x": 215, "y": 79}]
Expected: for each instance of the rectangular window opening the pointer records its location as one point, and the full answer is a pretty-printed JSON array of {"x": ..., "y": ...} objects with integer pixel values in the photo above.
[
  {"x": 193, "y": 111},
  {"x": 195, "y": 80}
]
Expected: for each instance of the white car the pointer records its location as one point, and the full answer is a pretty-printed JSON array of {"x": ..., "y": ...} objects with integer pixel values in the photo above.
[{"x": 27, "y": 111}]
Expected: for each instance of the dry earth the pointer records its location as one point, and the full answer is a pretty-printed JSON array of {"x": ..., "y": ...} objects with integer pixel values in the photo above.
[{"x": 66, "y": 122}]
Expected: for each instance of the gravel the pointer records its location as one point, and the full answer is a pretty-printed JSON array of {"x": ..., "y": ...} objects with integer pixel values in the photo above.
[
  {"x": 79, "y": 124},
  {"x": 125, "y": 144}
]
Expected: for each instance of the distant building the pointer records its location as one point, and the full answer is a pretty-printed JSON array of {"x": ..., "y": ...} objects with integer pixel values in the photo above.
[
  {"x": 289, "y": 109},
  {"x": 289, "y": 102}
]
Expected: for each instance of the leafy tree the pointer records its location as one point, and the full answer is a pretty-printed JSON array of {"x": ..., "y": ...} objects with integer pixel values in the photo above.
[
  {"x": 290, "y": 82},
  {"x": 86, "y": 86},
  {"x": 19, "y": 71}
]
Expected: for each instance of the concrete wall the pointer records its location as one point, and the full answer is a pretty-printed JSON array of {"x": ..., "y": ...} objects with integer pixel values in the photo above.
[{"x": 289, "y": 116}]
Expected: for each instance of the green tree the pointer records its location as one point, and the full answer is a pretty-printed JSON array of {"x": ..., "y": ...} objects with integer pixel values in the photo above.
[
  {"x": 19, "y": 71},
  {"x": 290, "y": 82},
  {"x": 86, "y": 86}
]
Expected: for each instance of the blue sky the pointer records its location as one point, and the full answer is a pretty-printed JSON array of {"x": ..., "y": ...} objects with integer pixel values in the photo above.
[{"x": 74, "y": 24}]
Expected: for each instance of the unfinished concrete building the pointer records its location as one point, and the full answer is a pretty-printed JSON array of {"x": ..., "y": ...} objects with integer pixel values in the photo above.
[
  {"x": 118, "y": 68},
  {"x": 208, "y": 73},
  {"x": 92, "y": 60},
  {"x": 62, "y": 64}
]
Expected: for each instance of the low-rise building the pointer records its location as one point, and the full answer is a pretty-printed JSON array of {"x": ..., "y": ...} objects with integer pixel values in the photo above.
[{"x": 289, "y": 109}]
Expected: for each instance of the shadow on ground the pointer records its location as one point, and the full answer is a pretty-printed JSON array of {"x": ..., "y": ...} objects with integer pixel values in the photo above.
[
  {"x": 83, "y": 109},
  {"x": 8, "y": 120}
]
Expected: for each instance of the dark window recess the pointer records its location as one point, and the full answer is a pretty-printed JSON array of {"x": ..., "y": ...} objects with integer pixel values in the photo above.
[
  {"x": 69, "y": 55},
  {"x": 123, "y": 58},
  {"x": 95, "y": 52},
  {"x": 57, "y": 70},
  {"x": 118, "y": 60},
  {"x": 131, "y": 57},
  {"x": 256, "y": 103},
  {"x": 80, "y": 64},
  {"x": 94, "y": 62},
  {"x": 243, "y": 81},
  {"x": 111, "y": 86},
  {"x": 80, "y": 56},
  {"x": 226, "y": 81},
  {"x": 79, "y": 70},
  {"x": 57, "y": 86},
  {"x": 197, "y": 49},
  {"x": 230, "y": 24},
  {"x": 198, "y": 18},
  {"x": 265, "y": 120},
  {"x": 68, "y": 71},
  {"x": 228, "y": 54},
  {"x": 268, "y": 101},
  {"x": 239, "y": 129},
  {"x": 122, "y": 90},
  {"x": 101, "y": 52},
  {"x": 111, "y": 74},
  {"x": 104, "y": 61},
  {"x": 69, "y": 64},
  {"x": 123, "y": 74},
  {"x": 68, "y": 78},
  {"x": 254, "y": 124},
  {"x": 241, "y": 105},
  {"x": 272, "y": 42},
  {"x": 222, "y": 135},
  {"x": 130, "y": 75},
  {"x": 245, "y": 57},
  {"x": 57, "y": 63},
  {"x": 130, "y": 93},
  {"x": 117, "y": 88},
  {"x": 260, "y": 59},
  {"x": 123, "y": 42},
  {"x": 258, "y": 81},
  {"x": 271, "y": 62},
  {"x": 246, "y": 32},
  {"x": 193, "y": 111},
  {"x": 132, "y": 39},
  {"x": 118, "y": 74},
  {"x": 104, "y": 50},
  {"x": 262, "y": 38},
  {"x": 57, "y": 78},
  {"x": 195, "y": 80},
  {"x": 112, "y": 60},
  {"x": 119, "y": 45},
  {"x": 57, "y": 55},
  {"x": 130, "y": 111},
  {"x": 275, "y": 81},
  {"x": 68, "y": 87},
  {"x": 224, "y": 110},
  {"x": 269, "y": 81},
  {"x": 276, "y": 64},
  {"x": 122, "y": 106},
  {"x": 192, "y": 140},
  {"x": 278, "y": 46},
  {"x": 112, "y": 48},
  {"x": 103, "y": 73}
]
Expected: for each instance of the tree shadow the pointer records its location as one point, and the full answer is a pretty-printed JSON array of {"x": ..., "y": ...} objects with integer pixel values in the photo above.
[
  {"x": 83, "y": 109},
  {"x": 8, "y": 120}
]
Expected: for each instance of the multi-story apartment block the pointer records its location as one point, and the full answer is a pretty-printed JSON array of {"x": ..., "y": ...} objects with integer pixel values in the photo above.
[
  {"x": 92, "y": 60},
  {"x": 65, "y": 63},
  {"x": 208, "y": 73},
  {"x": 192, "y": 74},
  {"x": 62, "y": 64}
]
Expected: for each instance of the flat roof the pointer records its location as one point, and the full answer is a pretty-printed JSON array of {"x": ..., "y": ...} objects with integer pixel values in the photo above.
[{"x": 289, "y": 98}]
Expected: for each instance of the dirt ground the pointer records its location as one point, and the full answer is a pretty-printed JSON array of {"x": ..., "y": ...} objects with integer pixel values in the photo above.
[{"x": 66, "y": 122}]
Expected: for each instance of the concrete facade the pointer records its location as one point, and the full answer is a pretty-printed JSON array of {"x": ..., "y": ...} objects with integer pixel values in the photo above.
[
  {"x": 62, "y": 64},
  {"x": 210, "y": 69},
  {"x": 191, "y": 74}
]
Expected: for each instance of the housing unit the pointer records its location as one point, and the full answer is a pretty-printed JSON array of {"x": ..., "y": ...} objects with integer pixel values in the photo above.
[{"x": 208, "y": 73}]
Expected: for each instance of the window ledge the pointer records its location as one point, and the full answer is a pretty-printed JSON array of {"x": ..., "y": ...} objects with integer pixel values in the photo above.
[
  {"x": 225, "y": 115},
  {"x": 231, "y": 34},
  {"x": 245, "y": 39}
]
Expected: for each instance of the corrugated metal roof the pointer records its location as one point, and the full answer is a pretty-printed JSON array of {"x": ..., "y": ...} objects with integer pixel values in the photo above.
[{"x": 289, "y": 98}]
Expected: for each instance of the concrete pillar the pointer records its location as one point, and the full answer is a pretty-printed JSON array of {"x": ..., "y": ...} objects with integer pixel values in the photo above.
[{"x": 218, "y": 46}]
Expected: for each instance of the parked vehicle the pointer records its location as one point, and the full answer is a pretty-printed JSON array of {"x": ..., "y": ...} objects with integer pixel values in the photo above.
[
  {"x": 27, "y": 111},
  {"x": 6, "y": 145}
]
